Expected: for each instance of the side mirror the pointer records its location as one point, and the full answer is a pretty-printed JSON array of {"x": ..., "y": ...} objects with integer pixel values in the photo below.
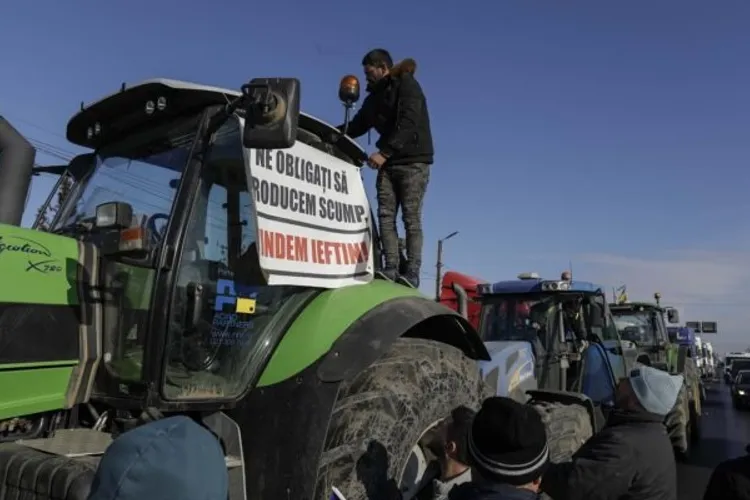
[
  {"x": 673, "y": 317},
  {"x": 271, "y": 108}
]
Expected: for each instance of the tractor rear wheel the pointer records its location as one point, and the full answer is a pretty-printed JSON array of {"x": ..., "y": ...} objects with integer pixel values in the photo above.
[
  {"x": 375, "y": 446},
  {"x": 568, "y": 427}
]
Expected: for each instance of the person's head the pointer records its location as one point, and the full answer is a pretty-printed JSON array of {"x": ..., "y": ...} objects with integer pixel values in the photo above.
[
  {"x": 648, "y": 389},
  {"x": 508, "y": 443},
  {"x": 376, "y": 64},
  {"x": 456, "y": 436},
  {"x": 171, "y": 458}
]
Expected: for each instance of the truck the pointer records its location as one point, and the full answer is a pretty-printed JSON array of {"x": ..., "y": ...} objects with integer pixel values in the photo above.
[
  {"x": 453, "y": 284},
  {"x": 645, "y": 324},
  {"x": 733, "y": 363},
  {"x": 553, "y": 344},
  {"x": 215, "y": 258}
]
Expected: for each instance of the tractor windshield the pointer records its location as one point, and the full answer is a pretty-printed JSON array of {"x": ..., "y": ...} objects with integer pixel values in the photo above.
[
  {"x": 142, "y": 170},
  {"x": 528, "y": 317},
  {"x": 636, "y": 326}
]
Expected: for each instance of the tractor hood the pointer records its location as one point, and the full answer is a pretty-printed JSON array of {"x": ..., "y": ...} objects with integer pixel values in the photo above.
[
  {"x": 510, "y": 372},
  {"x": 16, "y": 164},
  {"x": 49, "y": 329}
]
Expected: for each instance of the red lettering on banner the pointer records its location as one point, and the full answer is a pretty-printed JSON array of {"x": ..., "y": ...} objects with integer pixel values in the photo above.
[
  {"x": 283, "y": 246},
  {"x": 301, "y": 249}
]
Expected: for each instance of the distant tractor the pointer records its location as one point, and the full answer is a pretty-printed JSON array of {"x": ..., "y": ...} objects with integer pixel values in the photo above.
[
  {"x": 554, "y": 344},
  {"x": 644, "y": 324}
]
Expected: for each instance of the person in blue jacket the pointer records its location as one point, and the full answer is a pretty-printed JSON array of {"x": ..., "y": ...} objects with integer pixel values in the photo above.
[{"x": 173, "y": 458}]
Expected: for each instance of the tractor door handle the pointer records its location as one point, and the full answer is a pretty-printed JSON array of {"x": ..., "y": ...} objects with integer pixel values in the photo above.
[{"x": 194, "y": 307}]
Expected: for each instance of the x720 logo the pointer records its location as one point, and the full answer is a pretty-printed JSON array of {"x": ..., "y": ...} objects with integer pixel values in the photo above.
[{"x": 44, "y": 267}]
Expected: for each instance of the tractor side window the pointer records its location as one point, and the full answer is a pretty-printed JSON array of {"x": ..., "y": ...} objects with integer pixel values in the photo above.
[{"x": 223, "y": 313}]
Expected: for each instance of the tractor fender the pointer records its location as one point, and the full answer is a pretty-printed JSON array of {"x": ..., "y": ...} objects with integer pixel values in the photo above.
[
  {"x": 369, "y": 337},
  {"x": 567, "y": 398}
]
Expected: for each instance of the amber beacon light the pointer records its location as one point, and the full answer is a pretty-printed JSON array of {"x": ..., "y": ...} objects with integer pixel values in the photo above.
[{"x": 349, "y": 90}]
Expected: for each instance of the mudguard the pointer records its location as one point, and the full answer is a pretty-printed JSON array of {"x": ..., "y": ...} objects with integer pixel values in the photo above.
[
  {"x": 598, "y": 380},
  {"x": 510, "y": 371},
  {"x": 372, "y": 335}
]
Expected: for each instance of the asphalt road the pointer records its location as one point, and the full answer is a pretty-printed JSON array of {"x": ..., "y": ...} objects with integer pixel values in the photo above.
[{"x": 725, "y": 433}]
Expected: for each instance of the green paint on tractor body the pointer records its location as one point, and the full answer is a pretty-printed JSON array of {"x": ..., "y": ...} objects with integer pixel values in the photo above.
[
  {"x": 322, "y": 322},
  {"x": 37, "y": 283},
  {"x": 37, "y": 267}
]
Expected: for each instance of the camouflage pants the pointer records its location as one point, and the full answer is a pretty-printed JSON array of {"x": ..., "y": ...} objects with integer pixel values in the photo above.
[{"x": 402, "y": 186}]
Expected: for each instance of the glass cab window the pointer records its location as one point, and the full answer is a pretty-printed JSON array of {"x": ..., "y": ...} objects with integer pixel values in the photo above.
[
  {"x": 224, "y": 317},
  {"x": 142, "y": 170}
]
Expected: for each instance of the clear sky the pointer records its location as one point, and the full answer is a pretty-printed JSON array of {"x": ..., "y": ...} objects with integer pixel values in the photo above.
[{"x": 610, "y": 134}]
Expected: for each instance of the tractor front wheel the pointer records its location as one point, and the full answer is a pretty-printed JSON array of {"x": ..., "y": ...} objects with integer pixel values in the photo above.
[{"x": 375, "y": 446}]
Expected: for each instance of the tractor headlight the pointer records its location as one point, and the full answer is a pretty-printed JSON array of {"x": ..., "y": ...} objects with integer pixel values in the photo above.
[{"x": 741, "y": 392}]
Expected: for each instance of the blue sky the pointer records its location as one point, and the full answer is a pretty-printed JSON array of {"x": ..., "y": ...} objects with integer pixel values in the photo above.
[{"x": 612, "y": 134}]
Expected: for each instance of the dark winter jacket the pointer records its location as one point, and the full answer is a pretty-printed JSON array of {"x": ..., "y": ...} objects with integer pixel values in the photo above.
[
  {"x": 397, "y": 109},
  {"x": 481, "y": 490},
  {"x": 730, "y": 480},
  {"x": 631, "y": 458}
]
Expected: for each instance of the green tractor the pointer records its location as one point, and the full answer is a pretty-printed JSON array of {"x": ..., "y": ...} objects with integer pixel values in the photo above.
[
  {"x": 645, "y": 325},
  {"x": 215, "y": 258}
]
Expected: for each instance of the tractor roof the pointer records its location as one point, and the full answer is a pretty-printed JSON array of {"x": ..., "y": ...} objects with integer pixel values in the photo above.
[
  {"x": 536, "y": 286},
  {"x": 122, "y": 112},
  {"x": 629, "y": 306}
]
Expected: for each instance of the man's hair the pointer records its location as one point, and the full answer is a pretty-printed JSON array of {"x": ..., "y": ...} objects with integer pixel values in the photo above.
[
  {"x": 378, "y": 57},
  {"x": 458, "y": 431}
]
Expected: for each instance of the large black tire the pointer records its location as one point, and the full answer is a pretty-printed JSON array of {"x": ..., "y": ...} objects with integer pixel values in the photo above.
[
  {"x": 384, "y": 412},
  {"x": 568, "y": 427},
  {"x": 678, "y": 424}
]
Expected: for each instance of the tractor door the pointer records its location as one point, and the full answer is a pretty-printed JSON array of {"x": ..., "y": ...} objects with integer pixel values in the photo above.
[{"x": 225, "y": 320}]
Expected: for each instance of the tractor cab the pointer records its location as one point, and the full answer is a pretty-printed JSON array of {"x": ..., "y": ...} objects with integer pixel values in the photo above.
[
  {"x": 168, "y": 225},
  {"x": 563, "y": 325},
  {"x": 644, "y": 325}
]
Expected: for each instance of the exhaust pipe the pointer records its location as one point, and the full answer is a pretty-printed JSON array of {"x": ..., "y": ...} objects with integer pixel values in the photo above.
[
  {"x": 16, "y": 163},
  {"x": 462, "y": 298}
]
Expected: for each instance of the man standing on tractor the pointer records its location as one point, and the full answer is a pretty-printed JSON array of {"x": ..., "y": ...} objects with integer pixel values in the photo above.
[{"x": 397, "y": 109}]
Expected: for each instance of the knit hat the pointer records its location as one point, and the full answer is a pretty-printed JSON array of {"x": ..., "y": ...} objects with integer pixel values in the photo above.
[
  {"x": 170, "y": 458},
  {"x": 655, "y": 389},
  {"x": 508, "y": 442}
]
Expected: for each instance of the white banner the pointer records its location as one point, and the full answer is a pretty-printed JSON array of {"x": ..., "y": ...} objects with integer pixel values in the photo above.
[{"x": 312, "y": 218}]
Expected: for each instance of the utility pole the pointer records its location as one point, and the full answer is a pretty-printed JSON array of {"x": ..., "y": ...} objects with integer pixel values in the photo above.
[{"x": 439, "y": 264}]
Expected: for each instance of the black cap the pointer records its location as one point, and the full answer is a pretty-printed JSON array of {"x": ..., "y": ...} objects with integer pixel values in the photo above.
[{"x": 508, "y": 442}]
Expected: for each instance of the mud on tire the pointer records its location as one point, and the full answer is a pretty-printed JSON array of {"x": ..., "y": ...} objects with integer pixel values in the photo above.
[
  {"x": 381, "y": 414},
  {"x": 568, "y": 427},
  {"x": 677, "y": 423}
]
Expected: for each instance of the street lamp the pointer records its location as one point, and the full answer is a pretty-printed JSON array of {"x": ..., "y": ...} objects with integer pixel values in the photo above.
[{"x": 439, "y": 264}]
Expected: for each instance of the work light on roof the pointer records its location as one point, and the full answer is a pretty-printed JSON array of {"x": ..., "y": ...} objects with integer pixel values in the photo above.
[
  {"x": 555, "y": 286},
  {"x": 484, "y": 288},
  {"x": 528, "y": 276}
]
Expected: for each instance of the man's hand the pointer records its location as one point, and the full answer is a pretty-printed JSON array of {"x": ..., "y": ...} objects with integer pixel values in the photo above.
[{"x": 377, "y": 160}]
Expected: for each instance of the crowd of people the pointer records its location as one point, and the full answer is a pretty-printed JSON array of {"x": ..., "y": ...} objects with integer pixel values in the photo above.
[{"x": 500, "y": 452}]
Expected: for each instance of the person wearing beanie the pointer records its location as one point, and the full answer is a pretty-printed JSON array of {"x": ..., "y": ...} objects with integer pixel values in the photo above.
[
  {"x": 173, "y": 458},
  {"x": 508, "y": 452},
  {"x": 632, "y": 456}
]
